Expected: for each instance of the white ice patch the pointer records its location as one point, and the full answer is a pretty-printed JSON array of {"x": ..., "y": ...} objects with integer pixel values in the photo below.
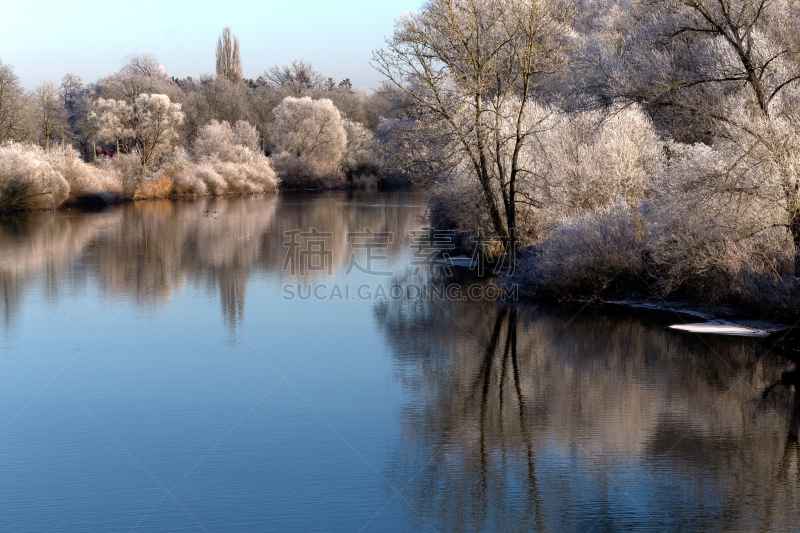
[{"x": 721, "y": 328}]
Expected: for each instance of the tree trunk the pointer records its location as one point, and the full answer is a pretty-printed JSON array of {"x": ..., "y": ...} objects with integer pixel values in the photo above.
[
  {"x": 511, "y": 217},
  {"x": 491, "y": 201},
  {"x": 483, "y": 173},
  {"x": 794, "y": 229}
]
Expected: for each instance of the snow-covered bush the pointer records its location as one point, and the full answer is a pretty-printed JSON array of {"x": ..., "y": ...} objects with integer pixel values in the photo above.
[
  {"x": 590, "y": 253},
  {"x": 225, "y": 160},
  {"x": 296, "y": 172},
  {"x": 128, "y": 168},
  {"x": 33, "y": 178},
  {"x": 358, "y": 165},
  {"x": 359, "y": 139},
  {"x": 84, "y": 180},
  {"x": 573, "y": 162},
  {"x": 214, "y": 140},
  {"x": 713, "y": 238},
  {"x": 27, "y": 180},
  {"x": 456, "y": 202}
]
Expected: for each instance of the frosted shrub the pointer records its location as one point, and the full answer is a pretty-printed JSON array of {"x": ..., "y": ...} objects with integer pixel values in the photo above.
[
  {"x": 259, "y": 173},
  {"x": 214, "y": 140},
  {"x": 456, "y": 202},
  {"x": 246, "y": 135},
  {"x": 207, "y": 173},
  {"x": 295, "y": 171},
  {"x": 590, "y": 253},
  {"x": 27, "y": 180},
  {"x": 223, "y": 161},
  {"x": 84, "y": 180},
  {"x": 710, "y": 242},
  {"x": 186, "y": 177},
  {"x": 753, "y": 273},
  {"x": 129, "y": 170},
  {"x": 358, "y": 164},
  {"x": 359, "y": 139},
  {"x": 230, "y": 176}
]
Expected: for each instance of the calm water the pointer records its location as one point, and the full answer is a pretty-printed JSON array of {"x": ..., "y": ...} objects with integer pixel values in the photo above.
[{"x": 158, "y": 376}]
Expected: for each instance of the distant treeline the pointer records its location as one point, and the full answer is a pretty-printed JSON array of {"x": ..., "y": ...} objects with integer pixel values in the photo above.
[{"x": 141, "y": 133}]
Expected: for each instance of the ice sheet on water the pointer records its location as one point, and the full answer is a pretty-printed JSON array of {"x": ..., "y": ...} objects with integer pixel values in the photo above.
[{"x": 721, "y": 328}]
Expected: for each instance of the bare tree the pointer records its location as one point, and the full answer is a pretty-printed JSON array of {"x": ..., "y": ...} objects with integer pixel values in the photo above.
[
  {"x": 141, "y": 75},
  {"x": 299, "y": 78},
  {"x": 51, "y": 113},
  {"x": 14, "y": 119},
  {"x": 229, "y": 60},
  {"x": 471, "y": 69}
]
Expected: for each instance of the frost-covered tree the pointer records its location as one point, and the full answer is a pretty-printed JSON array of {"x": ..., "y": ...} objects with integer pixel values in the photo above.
[
  {"x": 85, "y": 126},
  {"x": 359, "y": 141},
  {"x": 596, "y": 158},
  {"x": 213, "y": 98},
  {"x": 733, "y": 63},
  {"x": 72, "y": 89},
  {"x": 471, "y": 68},
  {"x": 246, "y": 135},
  {"x": 263, "y": 100},
  {"x": 229, "y": 60},
  {"x": 225, "y": 160},
  {"x": 310, "y": 130},
  {"x": 112, "y": 120},
  {"x": 75, "y": 97},
  {"x": 146, "y": 128}
]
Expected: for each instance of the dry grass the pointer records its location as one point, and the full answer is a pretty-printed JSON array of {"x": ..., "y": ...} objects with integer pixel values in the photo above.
[{"x": 156, "y": 187}]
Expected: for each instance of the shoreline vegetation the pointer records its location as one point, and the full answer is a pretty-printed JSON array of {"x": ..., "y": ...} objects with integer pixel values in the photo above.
[
  {"x": 606, "y": 149},
  {"x": 57, "y": 179}
]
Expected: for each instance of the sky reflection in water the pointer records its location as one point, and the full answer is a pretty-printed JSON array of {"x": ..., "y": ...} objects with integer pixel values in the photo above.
[{"x": 156, "y": 379}]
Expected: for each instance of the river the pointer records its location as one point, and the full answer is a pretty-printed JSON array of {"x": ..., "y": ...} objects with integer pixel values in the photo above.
[{"x": 287, "y": 363}]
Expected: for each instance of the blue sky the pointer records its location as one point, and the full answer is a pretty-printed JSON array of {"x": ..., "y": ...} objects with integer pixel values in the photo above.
[{"x": 44, "y": 40}]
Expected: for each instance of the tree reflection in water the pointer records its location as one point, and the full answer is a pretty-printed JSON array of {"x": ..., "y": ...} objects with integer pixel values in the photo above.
[
  {"x": 531, "y": 419},
  {"x": 143, "y": 253},
  {"x": 519, "y": 418}
]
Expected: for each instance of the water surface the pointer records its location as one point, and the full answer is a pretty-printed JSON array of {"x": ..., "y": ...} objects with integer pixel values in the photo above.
[{"x": 157, "y": 377}]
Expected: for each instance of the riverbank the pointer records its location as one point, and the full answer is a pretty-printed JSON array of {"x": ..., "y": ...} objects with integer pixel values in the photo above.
[{"x": 33, "y": 179}]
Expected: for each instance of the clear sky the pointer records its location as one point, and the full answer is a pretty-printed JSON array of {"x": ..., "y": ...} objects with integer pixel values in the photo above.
[{"x": 43, "y": 40}]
